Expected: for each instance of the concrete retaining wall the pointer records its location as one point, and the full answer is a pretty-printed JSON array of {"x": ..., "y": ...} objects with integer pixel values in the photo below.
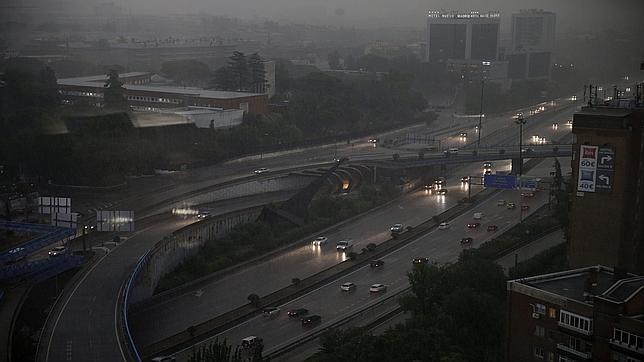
[
  {"x": 184, "y": 243},
  {"x": 254, "y": 187}
]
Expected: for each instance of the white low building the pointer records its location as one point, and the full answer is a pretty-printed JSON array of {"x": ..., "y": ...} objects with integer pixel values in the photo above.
[{"x": 201, "y": 117}]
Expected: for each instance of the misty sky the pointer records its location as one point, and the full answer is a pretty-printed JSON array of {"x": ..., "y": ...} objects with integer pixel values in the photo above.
[{"x": 371, "y": 13}]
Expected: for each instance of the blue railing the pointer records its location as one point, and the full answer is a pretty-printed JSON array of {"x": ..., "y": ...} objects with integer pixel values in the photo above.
[
  {"x": 125, "y": 302},
  {"x": 52, "y": 235}
]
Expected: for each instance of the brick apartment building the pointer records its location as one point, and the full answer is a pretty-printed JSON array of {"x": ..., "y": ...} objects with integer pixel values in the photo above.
[
  {"x": 607, "y": 209},
  {"x": 587, "y": 314}
]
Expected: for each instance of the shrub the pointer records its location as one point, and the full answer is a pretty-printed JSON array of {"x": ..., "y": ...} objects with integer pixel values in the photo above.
[
  {"x": 254, "y": 299},
  {"x": 352, "y": 255},
  {"x": 371, "y": 246}
]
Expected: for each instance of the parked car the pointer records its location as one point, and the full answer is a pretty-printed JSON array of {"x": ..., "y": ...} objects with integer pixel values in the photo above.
[
  {"x": 311, "y": 320},
  {"x": 298, "y": 312},
  {"x": 421, "y": 260},
  {"x": 492, "y": 228},
  {"x": 396, "y": 229},
  {"x": 466, "y": 241},
  {"x": 473, "y": 225},
  {"x": 59, "y": 250},
  {"x": 251, "y": 342},
  {"x": 260, "y": 171},
  {"x": 344, "y": 245},
  {"x": 511, "y": 206},
  {"x": 320, "y": 240},
  {"x": 376, "y": 263},
  {"x": 377, "y": 288},
  {"x": 443, "y": 226},
  {"x": 271, "y": 312},
  {"x": 347, "y": 287}
]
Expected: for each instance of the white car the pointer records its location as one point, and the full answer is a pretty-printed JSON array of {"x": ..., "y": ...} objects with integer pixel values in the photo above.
[
  {"x": 377, "y": 288},
  {"x": 271, "y": 312},
  {"x": 443, "y": 226},
  {"x": 320, "y": 240},
  {"x": 59, "y": 250},
  {"x": 260, "y": 171},
  {"x": 347, "y": 287},
  {"x": 396, "y": 228},
  {"x": 478, "y": 215}
]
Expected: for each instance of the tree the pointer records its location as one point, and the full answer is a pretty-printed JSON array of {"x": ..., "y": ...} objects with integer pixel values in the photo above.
[
  {"x": 257, "y": 73},
  {"x": 238, "y": 66},
  {"x": 223, "y": 79},
  {"x": 114, "y": 93},
  {"x": 334, "y": 60},
  {"x": 254, "y": 299},
  {"x": 217, "y": 351}
]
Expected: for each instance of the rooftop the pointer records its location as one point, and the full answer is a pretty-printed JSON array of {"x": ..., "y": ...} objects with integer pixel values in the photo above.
[
  {"x": 98, "y": 81},
  {"x": 624, "y": 289}
]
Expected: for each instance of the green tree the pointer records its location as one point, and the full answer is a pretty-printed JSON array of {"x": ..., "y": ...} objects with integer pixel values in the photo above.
[
  {"x": 334, "y": 60},
  {"x": 114, "y": 92},
  {"x": 238, "y": 67},
  {"x": 217, "y": 351},
  {"x": 257, "y": 73}
]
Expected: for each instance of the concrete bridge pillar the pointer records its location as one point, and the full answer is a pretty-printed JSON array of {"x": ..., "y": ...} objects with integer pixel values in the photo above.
[{"x": 515, "y": 165}]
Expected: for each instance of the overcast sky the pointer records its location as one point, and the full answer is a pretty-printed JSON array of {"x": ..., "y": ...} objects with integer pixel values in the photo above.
[{"x": 392, "y": 12}]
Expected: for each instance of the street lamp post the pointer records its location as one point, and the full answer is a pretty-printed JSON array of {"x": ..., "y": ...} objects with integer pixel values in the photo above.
[
  {"x": 520, "y": 121},
  {"x": 478, "y": 142}
]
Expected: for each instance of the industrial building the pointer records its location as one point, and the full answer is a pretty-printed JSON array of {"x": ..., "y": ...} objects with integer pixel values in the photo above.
[
  {"x": 143, "y": 96},
  {"x": 588, "y": 314}
]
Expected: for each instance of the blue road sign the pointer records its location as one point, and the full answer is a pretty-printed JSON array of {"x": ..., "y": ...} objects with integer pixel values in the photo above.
[{"x": 500, "y": 181}]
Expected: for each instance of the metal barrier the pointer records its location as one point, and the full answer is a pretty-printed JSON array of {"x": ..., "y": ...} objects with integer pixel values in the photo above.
[{"x": 131, "y": 346}]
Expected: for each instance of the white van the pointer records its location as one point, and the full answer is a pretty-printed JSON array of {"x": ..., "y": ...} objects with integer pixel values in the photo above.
[{"x": 478, "y": 215}]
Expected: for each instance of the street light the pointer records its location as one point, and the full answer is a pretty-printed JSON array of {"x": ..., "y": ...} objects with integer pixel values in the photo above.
[
  {"x": 520, "y": 121},
  {"x": 478, "y": 142}
]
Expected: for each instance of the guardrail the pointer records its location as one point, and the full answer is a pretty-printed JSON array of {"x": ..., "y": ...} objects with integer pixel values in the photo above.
[{"x": 131, "y": 346}]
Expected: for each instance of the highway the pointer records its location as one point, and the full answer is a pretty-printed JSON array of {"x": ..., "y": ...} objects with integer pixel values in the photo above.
[
  {"x": 440, "y": 246},
  {"x": 206, "y": 301}
]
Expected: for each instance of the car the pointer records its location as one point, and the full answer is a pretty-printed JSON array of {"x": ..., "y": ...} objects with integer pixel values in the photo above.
[
  {"x": 465, "y": 179},
  {"x": 203, "y": 215},
  {"x": 347, "y": 287},
  {"x": 463, "y": 134},
  {"x": 555, "y": 126},
  {"x": 487, "y": 172},
  {"x": 441, "y": 192},
  {"x": 251, "y": 342},
  {"x": 466, "y": 241},
  {"x": 377, "y": 288},
  {"x": 440, "y": 182},
  {"x": 453, "y": 150},
  {"x": 428, "y": 187},
  {"x": 320, "y": 240},
  {"x": 343, "y": 245},
  {"x": 500, "y": 203},
  {"x": 487, "y": 165},
  {"x": 260, "y": 171},
  {"x": 569, "y": 122},
  {"x": 396, "y": 229},
  {"x": 59, "y": 250},
  {"x": 478, "y": 215},
  {"x": 511, "y": 206},
  {"x": 373, "y": 140},
  {"x": 527, "y": 194},
  {"x": 492, "y": 228},
  {"x": 298, "y": 312},
  {"x": 16, "y": 251},
  {"x": 473, "y": 225},
  {"x": 525, "y": 207},
  {"x": 421, "y": 260},
  {"x": 527, "y": 150},
  {"x": 311, "y": 320},
  {"x": 376, "y": 263},
  {"x": 443, "y": 226},
  {"x": 271, "y": 312}
]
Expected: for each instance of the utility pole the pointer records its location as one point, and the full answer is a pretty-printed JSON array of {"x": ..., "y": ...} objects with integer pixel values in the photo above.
[
  {"x": 520, "y": 121},
  {"x": 478, "y": 142}
]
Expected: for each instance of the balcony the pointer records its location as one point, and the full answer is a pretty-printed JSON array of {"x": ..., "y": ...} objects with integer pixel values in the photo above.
[
  {"x": 585, "y": 355},
  {"x": 576, "y": 329},
  {"x": 626, "y": 346}
]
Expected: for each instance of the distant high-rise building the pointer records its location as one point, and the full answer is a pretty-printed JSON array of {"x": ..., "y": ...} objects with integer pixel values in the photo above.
[
  {"x": 462, "y": 36},
  {"x": 533, "y": 40},
  {"x": 607, "y": 211}
]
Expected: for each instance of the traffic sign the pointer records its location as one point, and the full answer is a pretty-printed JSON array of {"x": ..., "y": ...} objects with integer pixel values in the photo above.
[
  {"x": 500, "y": 181},
  {"x": 605, "y": 169}
]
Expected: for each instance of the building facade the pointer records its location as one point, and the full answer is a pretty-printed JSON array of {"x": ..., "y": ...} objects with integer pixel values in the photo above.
[
  {"x": 462, "y": 36},
  {"x": 587, "y": 314},
  {"x": 608, "y": 185},
  {"x": 532, "y": 45},
  {"x": 143, "y": 96}
]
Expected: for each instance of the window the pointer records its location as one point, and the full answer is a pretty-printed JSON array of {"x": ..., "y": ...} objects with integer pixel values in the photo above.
[
  {"x": 575, "y": 322},
  {"x": 539, "y": 331},
  {"x": 551, "y": 357},
  {"x": 538, "y": 352},
  {"x": 618, "y": 357},
  {"x": 628, "y": 340},
  {"x": 552, "y": 313}
]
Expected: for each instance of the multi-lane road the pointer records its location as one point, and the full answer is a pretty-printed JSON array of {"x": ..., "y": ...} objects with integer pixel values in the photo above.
[{"x": 440, "y": 246}]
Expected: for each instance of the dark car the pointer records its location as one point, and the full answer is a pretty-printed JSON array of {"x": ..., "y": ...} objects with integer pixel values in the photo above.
[
  {"x": 442, "y": 192},
  {"x": 492, "y": 228},
  {"x": 376, "y": 263},
  {"x": 311, "y": 320},
  {"x": 465, "y": 179},
  {"x": 525, "y": 207},
  {"x": 418, "y": 261},
  {"x": 298, "y": 312},
  {"x": 473, "y": 225},
  {"x": 466, "y": 241}
]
